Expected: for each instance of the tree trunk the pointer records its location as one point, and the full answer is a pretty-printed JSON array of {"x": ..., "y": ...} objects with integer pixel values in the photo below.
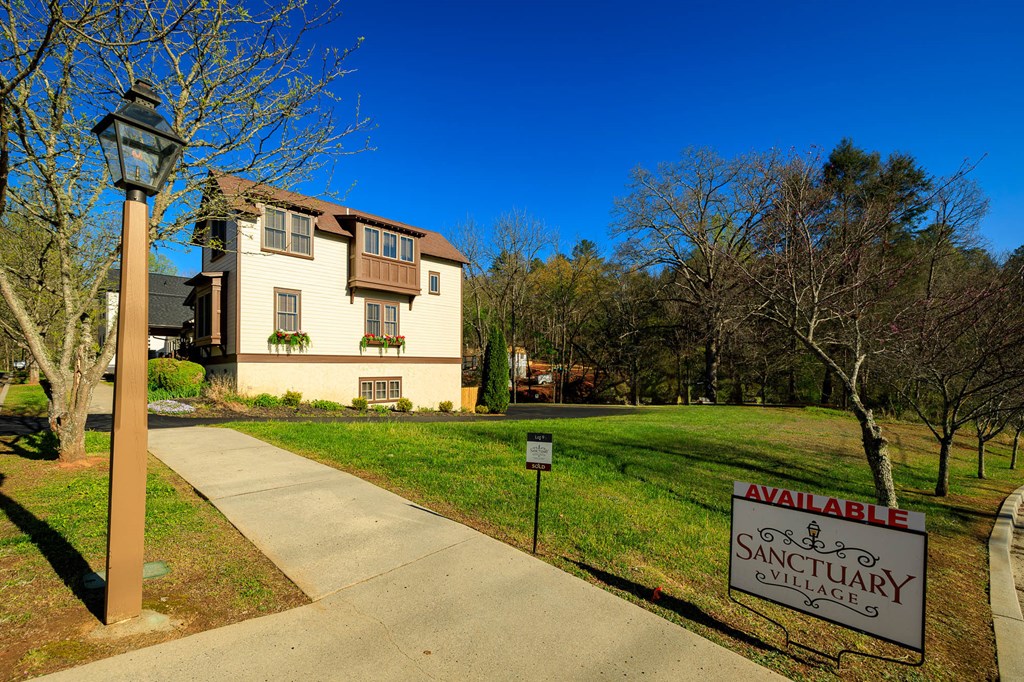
[
  {"x": 1016, "y": 442},
  {"x": 942, "y": 484},
  {"x": 679, "y": 376},
  {"x": 711, "y": 370},
  {"x": 737, "y": 389},
  {"x": 826, "y": 387},
  {"x": 876, "y": 450},
  {"x": 33, "y": 372},
  {"x": 981, "y": 457},
  {"x": 67, "y": 417}
]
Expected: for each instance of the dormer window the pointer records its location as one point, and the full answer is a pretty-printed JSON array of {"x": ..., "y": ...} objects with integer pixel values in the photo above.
[
  {"x": 408, "y": 250},
  {"x": 394, "y": 245},
  {"x": 372, "y": 241},
  {"x": 287, "y": 232},
  {"x": 384, "y": 258}
]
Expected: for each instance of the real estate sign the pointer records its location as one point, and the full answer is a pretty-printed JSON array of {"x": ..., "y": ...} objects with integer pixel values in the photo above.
[
  {"x": 854, "y": 564},
  {"x": 538, "y": 451}
]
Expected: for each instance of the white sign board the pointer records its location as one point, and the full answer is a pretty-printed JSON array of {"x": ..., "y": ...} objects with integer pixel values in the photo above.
[
  {"x": 854, "y": 564},
  {"x": 538, "y": 451}
]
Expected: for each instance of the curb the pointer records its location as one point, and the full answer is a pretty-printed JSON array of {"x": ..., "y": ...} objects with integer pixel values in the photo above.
[{"x": 1006, "y": 613}]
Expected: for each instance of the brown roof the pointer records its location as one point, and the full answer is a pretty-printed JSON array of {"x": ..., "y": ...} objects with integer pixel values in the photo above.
[{"x": 243, "y": 195}]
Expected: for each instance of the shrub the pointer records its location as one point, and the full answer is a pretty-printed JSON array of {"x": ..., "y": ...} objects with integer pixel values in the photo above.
[
  {"x": 291, "y": 399},
  {"x": 381, "y": 409},
  {"x": 219, "y": 388},
  {"x": 403, "y": 405},
  {"x": 265, "y": 400},
  {"x": 155, "y": 394},
  {"x": 495, "y": 393},
  {"x": 482, "y": 409},
  {"x": 359, "y": 404},
  {"x": 180, "y": 378},
  {"x": 445, "y": 406},
  {"x": 328, "y": 405}
]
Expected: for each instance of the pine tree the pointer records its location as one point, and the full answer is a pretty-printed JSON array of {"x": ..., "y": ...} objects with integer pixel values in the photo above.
[{"x": 495, "y": 377}]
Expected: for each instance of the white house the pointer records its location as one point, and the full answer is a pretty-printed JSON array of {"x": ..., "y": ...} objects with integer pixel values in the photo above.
[
  {"x": 293, "y": 263},
  {"x": 168, "y": 314}
]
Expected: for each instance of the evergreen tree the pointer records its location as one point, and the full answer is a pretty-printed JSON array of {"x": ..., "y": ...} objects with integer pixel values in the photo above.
[{"x": 495, "y": 376}]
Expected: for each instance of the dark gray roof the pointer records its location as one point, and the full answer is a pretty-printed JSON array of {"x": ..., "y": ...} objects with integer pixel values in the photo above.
[{"x": 166, "y": 299}]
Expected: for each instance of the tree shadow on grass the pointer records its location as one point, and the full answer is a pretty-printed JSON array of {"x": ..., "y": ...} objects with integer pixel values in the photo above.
[
  {"x": 680, "y": 607},
  {"x": 41, "y": 445},
  {"x": 67, "y": 562}
]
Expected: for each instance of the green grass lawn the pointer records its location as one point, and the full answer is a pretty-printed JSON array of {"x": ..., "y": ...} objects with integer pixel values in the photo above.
[
  {"x": 642, "y": 501},
  {"x": 53, "y": 530},
  {"x": 25, "y": 400}
]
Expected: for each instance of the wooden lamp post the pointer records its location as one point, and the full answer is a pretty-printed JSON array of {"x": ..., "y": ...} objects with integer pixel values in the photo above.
[{"x": 140, "y": 151}]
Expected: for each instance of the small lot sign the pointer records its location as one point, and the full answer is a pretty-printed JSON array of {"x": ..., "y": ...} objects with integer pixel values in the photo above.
[
  {"x": 854, "y": 564},
  {"x": 538, "y": 451}
]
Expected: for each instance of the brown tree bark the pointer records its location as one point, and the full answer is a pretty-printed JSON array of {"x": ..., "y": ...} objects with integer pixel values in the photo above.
[
  {"x": 1016, "y": 443},
  {"x": 942, "y": 484},
  {"x": 876, "y": 450}
]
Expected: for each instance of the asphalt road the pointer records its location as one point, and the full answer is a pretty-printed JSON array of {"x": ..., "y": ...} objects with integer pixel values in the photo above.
[{"x": 103, "y": 422}]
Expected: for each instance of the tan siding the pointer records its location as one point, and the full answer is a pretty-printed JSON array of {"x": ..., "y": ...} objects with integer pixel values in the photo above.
[
  {"x": 434, "y": 325},
  {"x": 333, "y": 321},
  {"x": 321, "y": 281}
]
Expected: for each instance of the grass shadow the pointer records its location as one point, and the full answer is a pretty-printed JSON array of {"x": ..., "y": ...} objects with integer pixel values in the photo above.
[
  {"x": 41, "y": 446},
  {"x": 67, "y": 562},
  {"x": 680, "y": 607}
]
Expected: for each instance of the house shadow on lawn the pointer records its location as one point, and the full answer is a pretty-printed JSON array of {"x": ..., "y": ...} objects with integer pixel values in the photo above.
[
  {"x": 69, "y": 565},
  {"x": 682, "y": 608}
]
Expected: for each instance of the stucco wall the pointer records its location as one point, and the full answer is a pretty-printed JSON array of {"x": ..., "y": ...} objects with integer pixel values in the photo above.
[{"x": 425, "y": 385}]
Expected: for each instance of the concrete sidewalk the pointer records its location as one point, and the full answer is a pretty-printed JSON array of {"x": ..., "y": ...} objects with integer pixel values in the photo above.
[{"x": 401, "y": 593}]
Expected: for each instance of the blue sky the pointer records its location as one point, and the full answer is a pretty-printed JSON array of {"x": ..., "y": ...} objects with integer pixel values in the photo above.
[{"x": 482, "y": 107}]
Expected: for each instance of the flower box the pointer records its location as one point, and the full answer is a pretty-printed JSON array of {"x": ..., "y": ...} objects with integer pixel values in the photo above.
[
  {"x": 381, "y": 341},
  {"x": 289, "y": 340}
]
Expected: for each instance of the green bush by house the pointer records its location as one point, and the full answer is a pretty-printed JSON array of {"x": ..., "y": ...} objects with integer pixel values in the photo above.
[{"x": 175, "y": 378}]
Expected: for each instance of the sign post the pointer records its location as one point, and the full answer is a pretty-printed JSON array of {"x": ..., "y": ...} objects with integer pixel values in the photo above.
[{"x": 538, "y": 458}]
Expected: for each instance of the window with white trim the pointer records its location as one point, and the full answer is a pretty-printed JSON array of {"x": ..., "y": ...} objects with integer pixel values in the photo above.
[
  {"x": 408, "y": 249},
  {"x": 434, "y": 285},
  {"x": 371, "y": 240},
  {"x": 390, "y": 245}
]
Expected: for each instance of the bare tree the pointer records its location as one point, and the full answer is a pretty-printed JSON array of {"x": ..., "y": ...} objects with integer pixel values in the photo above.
[
  {"x": 829, "y": 260},
  {"x": 242, "y": 87},
  {"x": 695, "y": 216},
  {"x": 952, "y": 357}
]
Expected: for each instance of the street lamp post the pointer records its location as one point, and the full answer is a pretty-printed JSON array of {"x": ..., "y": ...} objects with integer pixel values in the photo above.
[{"x": 140, "y": 151}]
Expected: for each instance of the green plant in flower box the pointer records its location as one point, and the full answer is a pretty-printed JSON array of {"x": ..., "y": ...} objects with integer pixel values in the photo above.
[
  {"x": 384, "y": 340},
  {"x": 291, "y": 340}
]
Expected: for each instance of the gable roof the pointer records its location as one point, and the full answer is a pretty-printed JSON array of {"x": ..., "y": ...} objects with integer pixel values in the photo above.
[
  {"x": 242, "y": 195},
  {"x": 167, "y": 294}
]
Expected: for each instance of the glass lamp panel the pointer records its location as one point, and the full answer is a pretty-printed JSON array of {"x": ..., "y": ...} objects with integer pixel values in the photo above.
[
  {"x": 108, "y": 143},
  {"x": 142, "y": 152},
  {"x": 145, "y": 115}
]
